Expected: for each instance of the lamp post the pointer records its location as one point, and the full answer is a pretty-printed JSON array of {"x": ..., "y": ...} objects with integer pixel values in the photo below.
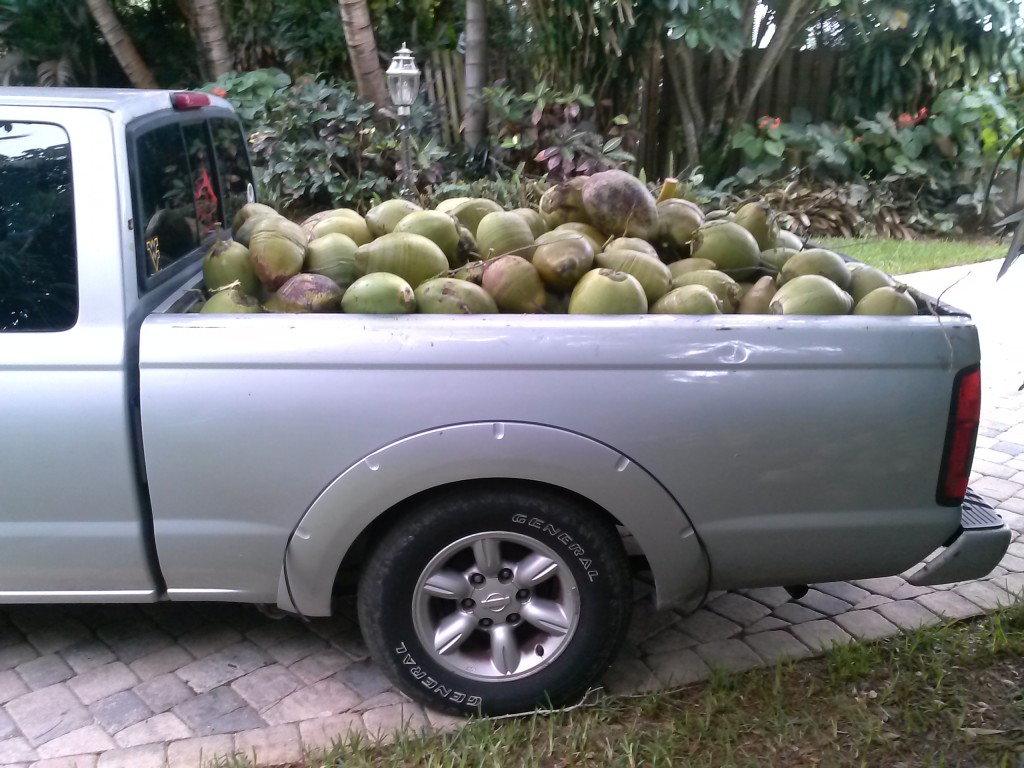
[{"x": 403, "y": 83}]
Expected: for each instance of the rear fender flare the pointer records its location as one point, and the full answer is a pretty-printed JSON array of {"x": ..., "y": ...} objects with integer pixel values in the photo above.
[{"x": 508, "y": 450}]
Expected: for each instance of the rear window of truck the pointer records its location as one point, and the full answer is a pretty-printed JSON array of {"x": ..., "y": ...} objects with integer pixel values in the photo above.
[
  {"x": 189, "y": 180},
  {"x": 38, "y": 260}
]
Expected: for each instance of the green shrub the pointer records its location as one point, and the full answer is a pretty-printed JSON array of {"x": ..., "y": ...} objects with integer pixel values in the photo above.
[{"x": 315, "y": 144}]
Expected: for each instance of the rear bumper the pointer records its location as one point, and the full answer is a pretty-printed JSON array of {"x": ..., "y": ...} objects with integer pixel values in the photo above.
[{"x": 974, "y": 550}]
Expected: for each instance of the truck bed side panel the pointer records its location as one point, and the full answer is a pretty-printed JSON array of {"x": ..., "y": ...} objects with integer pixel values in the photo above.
[{"x": 801, "y": 449}]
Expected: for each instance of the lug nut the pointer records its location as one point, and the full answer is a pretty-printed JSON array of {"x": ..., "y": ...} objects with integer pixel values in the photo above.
[
  {"x": 512, "y": 618},
  {"x": 477, "y": 578},
  {"x": 468, "y": 603},
  {"x": 485, "y": 622},
  {"x": 505, "y": 575},
  {"x": 523, "y": 594}
]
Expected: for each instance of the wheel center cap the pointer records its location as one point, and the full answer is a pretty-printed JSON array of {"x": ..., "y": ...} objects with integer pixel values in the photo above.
[{"x": 496, "y": 602}]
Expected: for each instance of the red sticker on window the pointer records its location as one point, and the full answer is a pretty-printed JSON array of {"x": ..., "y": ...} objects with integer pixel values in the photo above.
[{"x": 205, "y": 200}]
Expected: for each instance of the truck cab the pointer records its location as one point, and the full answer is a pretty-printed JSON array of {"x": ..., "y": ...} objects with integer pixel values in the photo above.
[{"x": 106, "y": 198}]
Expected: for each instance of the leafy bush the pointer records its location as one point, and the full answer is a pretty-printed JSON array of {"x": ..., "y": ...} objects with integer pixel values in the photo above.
[
  {"x": 920, "y": 170},
  {"x": 550, "y": 133},
  {"x": 315, "y": 144}
]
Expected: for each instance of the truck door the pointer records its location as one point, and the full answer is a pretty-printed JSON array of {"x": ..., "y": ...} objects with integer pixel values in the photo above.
[{"x": 71, "y": 526}]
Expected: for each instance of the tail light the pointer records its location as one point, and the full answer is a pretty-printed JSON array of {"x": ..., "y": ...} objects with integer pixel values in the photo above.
[{"x": 961, "y": 434}]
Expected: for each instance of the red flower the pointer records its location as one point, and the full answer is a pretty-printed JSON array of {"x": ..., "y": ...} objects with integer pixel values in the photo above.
[
  {"x": 219, "y": 92},
  {"x": 922, "y": 115},
  {"x": 904, "y": 120},
  {"x": 769, "y": 123}
]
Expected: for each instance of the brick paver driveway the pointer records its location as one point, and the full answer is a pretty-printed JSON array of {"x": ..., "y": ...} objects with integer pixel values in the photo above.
[{"x": 164, "y": 684}]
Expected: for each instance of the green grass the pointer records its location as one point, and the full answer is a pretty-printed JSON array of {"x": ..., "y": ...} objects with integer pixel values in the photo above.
[
  {"x": 901, "y": 257},
  {"x": 947, "y": 696}
]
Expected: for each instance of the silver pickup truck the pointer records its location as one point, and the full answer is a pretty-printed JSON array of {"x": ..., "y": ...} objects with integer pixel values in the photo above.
[{"x": 488, "y": 484}]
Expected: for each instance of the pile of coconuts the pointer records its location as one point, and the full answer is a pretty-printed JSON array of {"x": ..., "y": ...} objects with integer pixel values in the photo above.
[{"x": 598, "y": 245}]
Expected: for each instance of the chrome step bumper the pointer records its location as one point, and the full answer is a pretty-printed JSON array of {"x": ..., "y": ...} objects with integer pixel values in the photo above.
[{"x": 973, "y": 551}]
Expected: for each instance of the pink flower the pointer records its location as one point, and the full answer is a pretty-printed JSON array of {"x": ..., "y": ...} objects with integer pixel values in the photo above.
[
  {"x": 904, "y": 120},
  {"x": 219, "y": 92}
]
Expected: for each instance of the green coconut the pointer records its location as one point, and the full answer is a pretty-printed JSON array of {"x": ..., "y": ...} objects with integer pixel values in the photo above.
[
  {"x": 597, "y": 240},
  {"x": 412, "y": 257},
  {"x": 757, "y": 300},
  {"x": 244, "y": 233},
  {"x": 228, "y": 263},
  {"x": 230, "y": 301},
  {"x": 277, "y": 250},
  {"x": 467, "y": 249},
  {"x": 440, "y": 228},
  {"x": 652, "y": 275},
  {"x": 816, "y": 261},
  {"x": 353, "y": 227},
  {"x": 759, "y": 221},
  {"x": 719, "y": 283},
  {"x": 773, "y": 259},
  {"x": 380, "y": 293},
  {"x": 448, "y": 296},
  {"x": 864, "y": 279},
  {"x": 678, "y": 221},
  {"x": 563, "y": 203},
  {"x": 618, "y": 204},
  {"x": 607, "y": 292},
  {"x": 449, "y": 205},
  {"x": 786, "y": 239},
  {"x": 632, "y": 244},
  {"x": 688, "y": 300},
  {"x": 248, "y": 211},
  {"x": 691, "y": 264},
  {"x": 811, "y": 295},
  {"x": 733, "y": 249},
  {"x": 333, "y": 256},
  {"x": 890, "y": 300},
  {"x": 533, "y": 219},
  {"x": 306, "y": 293},
  {"x": 504, "y": 232},
  {"x": 561, "y": 263},
  {"x": 383, "y": 218},
  {"x": 514, "y": 283},
  {"x": 311, "y": 221},
  {"x": 470, "y": 212}
]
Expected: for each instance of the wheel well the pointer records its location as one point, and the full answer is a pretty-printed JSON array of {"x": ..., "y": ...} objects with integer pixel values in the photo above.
[{"x": 351, "y": 566}]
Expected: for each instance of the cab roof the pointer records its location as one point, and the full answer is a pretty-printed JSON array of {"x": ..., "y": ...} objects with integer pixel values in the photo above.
[{"x": 127, "y": 102}]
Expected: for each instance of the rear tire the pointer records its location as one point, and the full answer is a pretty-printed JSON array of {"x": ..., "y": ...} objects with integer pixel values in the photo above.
[{"x": 496, "y": 600}]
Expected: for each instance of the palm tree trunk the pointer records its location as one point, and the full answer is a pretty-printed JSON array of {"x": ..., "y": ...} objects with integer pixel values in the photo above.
[
  {"x": 124, "y": 50},
  {"x": 213, "y": 36},
  {"x": 362, "y": 51},
  {"x": 476, "y": 71}
]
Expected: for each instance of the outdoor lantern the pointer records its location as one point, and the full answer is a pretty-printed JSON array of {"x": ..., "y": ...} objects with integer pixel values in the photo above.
[{"x": 403, "y": 80}]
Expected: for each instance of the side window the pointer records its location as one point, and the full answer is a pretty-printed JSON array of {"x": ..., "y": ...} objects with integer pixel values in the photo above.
[
  {"x": 38, "y": 260},
  {"x": 179, "y": 203},
  {"x": 236, "y": 184}
]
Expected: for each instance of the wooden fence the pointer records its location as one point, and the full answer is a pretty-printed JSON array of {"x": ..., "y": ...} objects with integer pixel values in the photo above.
[{"x": 802, "y": 79}]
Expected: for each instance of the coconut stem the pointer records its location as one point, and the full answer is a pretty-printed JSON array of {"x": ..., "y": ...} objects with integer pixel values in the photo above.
[{"x": 668, "y": 189}]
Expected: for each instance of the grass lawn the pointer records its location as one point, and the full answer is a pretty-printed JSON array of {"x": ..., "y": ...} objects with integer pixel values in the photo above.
[
  {"x": 901, "y": 257},
  {"x": 944, "y": 696}
]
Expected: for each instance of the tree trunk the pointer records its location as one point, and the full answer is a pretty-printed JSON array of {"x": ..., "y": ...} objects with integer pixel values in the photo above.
[
  {"x": 786, "y": 28},
  {"x": 681, "y": 82},
  {"x": 213, "y": 36},
  {"x": 362, "y": 51},
  {"x": 124, "y": 50},
  {"x": 476, "y": 71}
]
